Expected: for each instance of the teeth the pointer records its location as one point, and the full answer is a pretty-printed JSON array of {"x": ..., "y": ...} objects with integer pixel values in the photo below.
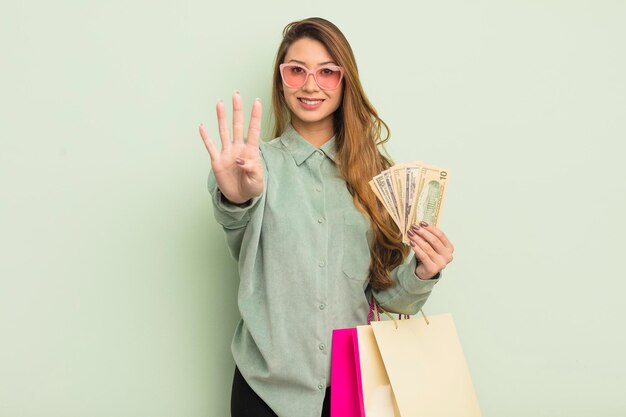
[{"x": 309, "y": 101}]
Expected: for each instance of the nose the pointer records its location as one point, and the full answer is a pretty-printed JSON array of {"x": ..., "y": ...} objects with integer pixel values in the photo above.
[{"x": 310, "y": 84}]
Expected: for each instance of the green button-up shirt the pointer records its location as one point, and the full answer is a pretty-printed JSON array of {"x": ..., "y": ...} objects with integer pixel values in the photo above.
[{"x": 302, "y": 249}]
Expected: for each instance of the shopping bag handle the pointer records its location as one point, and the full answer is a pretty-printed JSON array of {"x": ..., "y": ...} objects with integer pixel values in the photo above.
[{"x": 374, "y": 306}]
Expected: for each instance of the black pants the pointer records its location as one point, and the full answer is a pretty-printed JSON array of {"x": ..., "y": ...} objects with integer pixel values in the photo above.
[{"x": 244, "y": 402}]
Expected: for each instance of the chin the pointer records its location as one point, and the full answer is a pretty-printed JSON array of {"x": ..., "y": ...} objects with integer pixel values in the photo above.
[{"x": 309, "y": 118}]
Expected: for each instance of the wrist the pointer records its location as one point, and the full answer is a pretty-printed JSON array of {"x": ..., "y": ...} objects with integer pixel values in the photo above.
[
  {"x": 234, "y": 202},
  {"x": 424, "y": 279}
]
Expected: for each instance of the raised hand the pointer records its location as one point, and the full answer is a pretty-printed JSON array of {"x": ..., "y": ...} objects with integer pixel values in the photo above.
[
  {"x": 237, "y": 167},
  {"x": 432, "y": 249}
]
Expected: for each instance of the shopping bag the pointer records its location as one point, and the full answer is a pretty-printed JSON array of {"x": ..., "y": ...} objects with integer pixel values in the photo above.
[
  {"x": 346, "y": 389},
  {"x": 377, "y": 394},
  {"x": 425, "y": 365},
  {"x": 345, "y": 375},
  {"x": 401, "y": 368}
]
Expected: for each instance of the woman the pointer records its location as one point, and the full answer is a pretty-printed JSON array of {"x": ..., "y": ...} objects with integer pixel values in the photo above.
[{"x": 311, "y": 239}]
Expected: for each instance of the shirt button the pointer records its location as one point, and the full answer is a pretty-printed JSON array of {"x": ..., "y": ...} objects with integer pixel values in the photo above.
[
  {"x": 322, "y": 264},
  {"x": 320, "y": 386},
  {"x": 320, "y": 153},
  {"x": 322, "y": 347},
  {"x": 320, "y": 220},
  {"x": 322, "y": 306},
  {"x": 318, "y": 189}
]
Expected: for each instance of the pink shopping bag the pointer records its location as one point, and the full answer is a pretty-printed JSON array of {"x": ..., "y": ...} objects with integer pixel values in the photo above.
[{"x": 346, "y": 395}]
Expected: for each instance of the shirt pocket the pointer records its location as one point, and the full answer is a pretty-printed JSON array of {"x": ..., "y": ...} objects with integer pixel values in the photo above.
[{"x": 356, "y": 252}]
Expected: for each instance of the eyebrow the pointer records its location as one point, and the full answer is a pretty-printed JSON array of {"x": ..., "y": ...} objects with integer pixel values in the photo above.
[{"x": 321, "y": 63}]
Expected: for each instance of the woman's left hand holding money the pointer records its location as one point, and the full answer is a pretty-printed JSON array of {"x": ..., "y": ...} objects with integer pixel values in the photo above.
[{"x": 432, "y": 249}]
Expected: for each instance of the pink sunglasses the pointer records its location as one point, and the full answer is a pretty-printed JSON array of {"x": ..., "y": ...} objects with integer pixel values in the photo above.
[{"x": 327, "y": 77}]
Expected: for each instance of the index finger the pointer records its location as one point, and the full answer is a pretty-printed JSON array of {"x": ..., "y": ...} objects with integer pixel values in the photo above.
[
  {"x": 441, "y": 235},
  {"x": 254, "y": 129}
]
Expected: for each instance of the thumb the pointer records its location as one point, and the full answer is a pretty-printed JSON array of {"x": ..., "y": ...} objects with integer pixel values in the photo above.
[{"x": 249, "y": 167}]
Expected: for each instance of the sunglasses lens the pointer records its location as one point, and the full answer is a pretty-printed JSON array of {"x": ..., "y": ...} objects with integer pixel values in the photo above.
[
  {"x": 328, "y": 78},
  {"x": 294, "y": 76}
]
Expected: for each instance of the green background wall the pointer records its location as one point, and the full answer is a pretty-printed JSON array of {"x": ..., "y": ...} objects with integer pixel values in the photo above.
[{"x": 117, "y": 292}]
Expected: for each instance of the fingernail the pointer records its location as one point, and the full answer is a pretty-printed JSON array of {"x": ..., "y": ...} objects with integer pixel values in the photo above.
[
  {"x": 423, "y": 223},
  {"x": 239, "y": 161},
  {"x": 415, "y": 227},
  {"x": 236, "y": 91},
  {"x": 220, "y": 101},
  {"x": 257, "y": 99},
  {"x": 412, "y": 243},
  {"x": 410, "y": 233}
]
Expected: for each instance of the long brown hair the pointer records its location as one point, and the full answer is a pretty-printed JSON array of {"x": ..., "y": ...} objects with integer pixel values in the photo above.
[{"x": 358, "y": 131}]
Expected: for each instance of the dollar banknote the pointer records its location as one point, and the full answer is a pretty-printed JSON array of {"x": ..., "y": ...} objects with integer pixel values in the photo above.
[
  {"x": 384, "y": 184},
  {"x": 412, "y": 192}
]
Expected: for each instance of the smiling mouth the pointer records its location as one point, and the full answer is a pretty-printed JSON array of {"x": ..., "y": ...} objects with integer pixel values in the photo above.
[{"x": 305, "y": 101}]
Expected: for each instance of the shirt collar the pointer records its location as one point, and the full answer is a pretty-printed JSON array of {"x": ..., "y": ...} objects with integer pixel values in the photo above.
[{"x": 301, "y": 149}]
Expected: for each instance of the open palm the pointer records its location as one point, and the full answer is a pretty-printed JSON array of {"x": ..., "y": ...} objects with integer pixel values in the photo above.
[{"x": 237, "y": 167}]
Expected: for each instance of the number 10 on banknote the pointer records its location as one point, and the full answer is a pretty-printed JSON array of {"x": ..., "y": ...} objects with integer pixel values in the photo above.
[{"x": 412, "y": 192}]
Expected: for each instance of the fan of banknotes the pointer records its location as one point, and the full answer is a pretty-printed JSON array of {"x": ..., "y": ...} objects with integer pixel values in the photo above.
[{"x": 412, "y": 192}]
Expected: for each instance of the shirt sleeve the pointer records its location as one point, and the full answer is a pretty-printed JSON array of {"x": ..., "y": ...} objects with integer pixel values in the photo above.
[
  {"x": 228, "y": 214},
  {"x": 234, "y": 217},
  {"x": 409, "y": 292}
]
